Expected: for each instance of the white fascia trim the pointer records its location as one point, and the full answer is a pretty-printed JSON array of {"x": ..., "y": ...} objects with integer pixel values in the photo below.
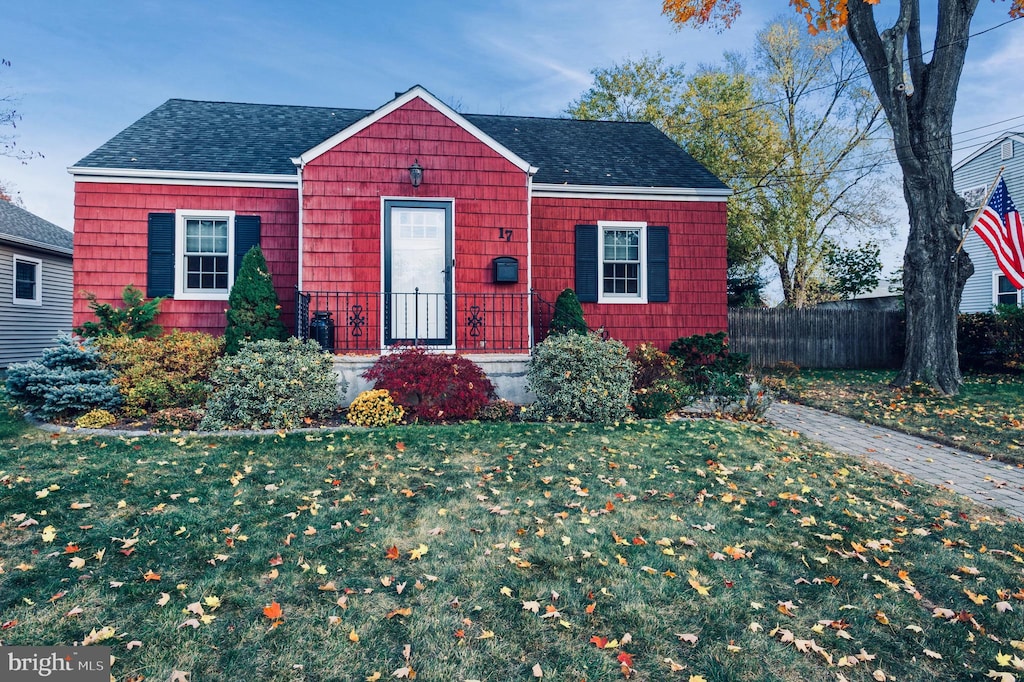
[
  {"x": 398, "y": 102},
  {"x": 160, "y": 177},
  {"x": 994, "y": 143},
  {"x": 644, "y": 193},
  {"x": 39, "y": 246}
]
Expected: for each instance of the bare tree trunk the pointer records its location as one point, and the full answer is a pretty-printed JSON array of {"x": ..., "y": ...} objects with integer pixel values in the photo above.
[
  {"x": 932, "y": 283},
  {"x": 920, "y": 113}
]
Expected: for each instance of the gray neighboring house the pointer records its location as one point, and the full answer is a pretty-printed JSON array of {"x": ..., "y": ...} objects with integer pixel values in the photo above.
[
  {"x": 971, "y": 178},
  {"x": 35, "y": 284}
]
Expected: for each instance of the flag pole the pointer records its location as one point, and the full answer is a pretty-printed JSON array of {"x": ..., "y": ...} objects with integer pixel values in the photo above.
[{"x": 981, "y": 207}]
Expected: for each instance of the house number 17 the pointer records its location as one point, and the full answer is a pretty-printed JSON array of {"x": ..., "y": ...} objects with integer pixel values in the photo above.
[{"x": 505, "y": 234}]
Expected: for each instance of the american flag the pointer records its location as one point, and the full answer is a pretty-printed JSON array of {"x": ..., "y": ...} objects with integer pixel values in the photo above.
[{"x": 999, "y": 226}]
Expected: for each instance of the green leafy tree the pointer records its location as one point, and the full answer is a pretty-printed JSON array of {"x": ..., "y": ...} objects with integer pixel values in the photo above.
[
  {"x": 853, "y": 271},
  {"x": 254, "y": 312},
  {"x": 568, "y": 315},
  {"x": 136, "y": 318},
  {"x": 917, "y": 88}
]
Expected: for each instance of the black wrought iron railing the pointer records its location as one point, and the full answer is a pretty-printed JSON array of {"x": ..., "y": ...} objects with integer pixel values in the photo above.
[{"x": 366, "y": 322}]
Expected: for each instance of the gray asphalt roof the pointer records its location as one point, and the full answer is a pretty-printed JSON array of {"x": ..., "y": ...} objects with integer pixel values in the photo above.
[
  {"x": 20, "y": 226},
  {"x": 227, "y": 137}
]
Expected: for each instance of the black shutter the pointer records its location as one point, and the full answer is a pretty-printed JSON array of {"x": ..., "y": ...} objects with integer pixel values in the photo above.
[
  {"x": 586, "y": 263},
  {"x": 160, "y": 261},
  {"x": 657, "y": 264},
  {"x": 247, "y": 235}
]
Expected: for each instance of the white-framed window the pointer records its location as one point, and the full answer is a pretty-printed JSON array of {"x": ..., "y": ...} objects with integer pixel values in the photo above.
[
  {"x": 204, "y": 244},
  {"x": 622, "y": 262},
  {"x": 28, "y": 280},
  {"x": 1003, "y": 292}
]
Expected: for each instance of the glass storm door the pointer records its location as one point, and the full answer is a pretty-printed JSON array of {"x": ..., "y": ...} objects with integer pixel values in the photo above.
[{"x": 418, "y": 272}]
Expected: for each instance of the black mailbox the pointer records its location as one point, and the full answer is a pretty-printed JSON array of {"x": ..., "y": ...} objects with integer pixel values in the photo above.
[{"x": 506, "y": 270}]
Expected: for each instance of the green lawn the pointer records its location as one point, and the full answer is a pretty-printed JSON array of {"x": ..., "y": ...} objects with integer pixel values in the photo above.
[
  {"x": 691, "y": 550},
  {"x": 987, "y": 417}
]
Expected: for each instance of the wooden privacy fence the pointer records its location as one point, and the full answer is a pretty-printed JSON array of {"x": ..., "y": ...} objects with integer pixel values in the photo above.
[{"x": 847, "y": 339}]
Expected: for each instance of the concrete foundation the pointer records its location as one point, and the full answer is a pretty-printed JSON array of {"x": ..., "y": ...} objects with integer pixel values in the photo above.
[{"x": 506, "y": 372}]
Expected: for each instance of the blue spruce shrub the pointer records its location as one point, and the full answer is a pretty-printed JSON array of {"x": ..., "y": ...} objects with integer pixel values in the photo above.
[{"x": 66, "y": 381}]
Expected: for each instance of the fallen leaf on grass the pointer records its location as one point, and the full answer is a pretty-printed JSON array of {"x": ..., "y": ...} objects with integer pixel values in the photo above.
[
  {"x": 537, "y": 672},
  {"x": 273, "y": 611}
]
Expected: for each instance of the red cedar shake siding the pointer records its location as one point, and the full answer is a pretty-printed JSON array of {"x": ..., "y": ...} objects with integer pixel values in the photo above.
[
  {"x": 697, "y": 249},
  {"x": 342, "y": 190},
  {"x": 111, "y": 234}
]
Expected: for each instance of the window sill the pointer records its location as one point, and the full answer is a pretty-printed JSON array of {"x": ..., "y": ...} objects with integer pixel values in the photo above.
[
  {"x": 28, "y": 304},
  {"x": 180, "y": 296}
]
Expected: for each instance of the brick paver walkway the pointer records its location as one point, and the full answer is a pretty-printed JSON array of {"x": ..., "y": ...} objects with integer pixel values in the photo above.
[{"x": 983, "y": 480}]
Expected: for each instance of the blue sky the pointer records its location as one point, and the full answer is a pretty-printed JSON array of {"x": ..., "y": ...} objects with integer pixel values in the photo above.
[{"x": 83, "y": 71}]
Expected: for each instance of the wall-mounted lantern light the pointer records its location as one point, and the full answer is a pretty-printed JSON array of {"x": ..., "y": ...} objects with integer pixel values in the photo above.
[{"x": 416, "y": 173}]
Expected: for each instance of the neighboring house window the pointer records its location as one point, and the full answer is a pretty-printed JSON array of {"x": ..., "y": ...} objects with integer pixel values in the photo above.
[
  {"x": 195, "y": 254},
  {"x": 1003, "y": 292},
  {"x": 621, "y": 262},
  {"x": 28, "y": 281},
  {"x": 622, "y": 252}
]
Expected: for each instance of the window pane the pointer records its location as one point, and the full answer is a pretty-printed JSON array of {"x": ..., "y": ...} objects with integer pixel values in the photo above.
[
  {"x": 206, "y": 236},
  {"x": 209, "y": 273},
  {"x": 25, "y": 281},
  {"x": 621, "y": 268}
]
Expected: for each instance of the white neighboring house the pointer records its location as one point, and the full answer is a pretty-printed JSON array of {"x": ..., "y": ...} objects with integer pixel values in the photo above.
[
  {"x": 35, "y": 284},
  {"x": 972, "y": 177}
]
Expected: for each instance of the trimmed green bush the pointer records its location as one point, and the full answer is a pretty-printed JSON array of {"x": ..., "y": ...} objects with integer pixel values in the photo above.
[
  {"x": 134, "y": 319},
  {"x": 991, "y": 342},
  {"x": 64, "y": 382},
  {"x": 704, "y": 353},
  {"x": 271, "y": 384},
  {"x": 568, "y": 315},
  {"x": 165, "y": 372},
  {"x": 254, "y": 312},
  {"x": 580, "y": 377}
]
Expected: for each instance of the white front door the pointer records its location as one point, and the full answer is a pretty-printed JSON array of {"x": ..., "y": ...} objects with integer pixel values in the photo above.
[{"x": 418, "y": 272}]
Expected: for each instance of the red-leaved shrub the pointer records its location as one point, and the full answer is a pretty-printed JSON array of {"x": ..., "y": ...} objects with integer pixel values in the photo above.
[{"x": 432, "y": 387}]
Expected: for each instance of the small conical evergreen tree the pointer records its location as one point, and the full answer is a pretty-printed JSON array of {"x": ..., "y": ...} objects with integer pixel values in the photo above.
[
  {"x": 568, "y": 316},
  {"x": 254, "y": 312}
]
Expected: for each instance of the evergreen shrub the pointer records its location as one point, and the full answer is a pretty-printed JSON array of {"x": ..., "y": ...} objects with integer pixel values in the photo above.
[
  {"x": 66, "y": 381},
  {"x": 568, "y": 315},
  {"x": 374, "y": 408},
  {"x": 432, "y": 387},
  {"x": 271, "y": 384},
  {"x": 703, "y": 353},
  {"x": 254, "y": 312},
  {"x": 580, "y": 377},
  {"x": 165, "y": 372},
  {"x": 136, "y": 318}
]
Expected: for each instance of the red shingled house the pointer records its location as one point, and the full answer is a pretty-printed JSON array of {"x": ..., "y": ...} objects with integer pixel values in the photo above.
[{"x": 410, "y": 223}]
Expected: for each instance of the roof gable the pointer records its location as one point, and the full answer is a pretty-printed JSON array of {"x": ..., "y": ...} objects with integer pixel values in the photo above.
[
  {"x": 1009, "y": 135},
  {"x": 397, "y": 103},
  {"x": 19, "y": 226}
]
